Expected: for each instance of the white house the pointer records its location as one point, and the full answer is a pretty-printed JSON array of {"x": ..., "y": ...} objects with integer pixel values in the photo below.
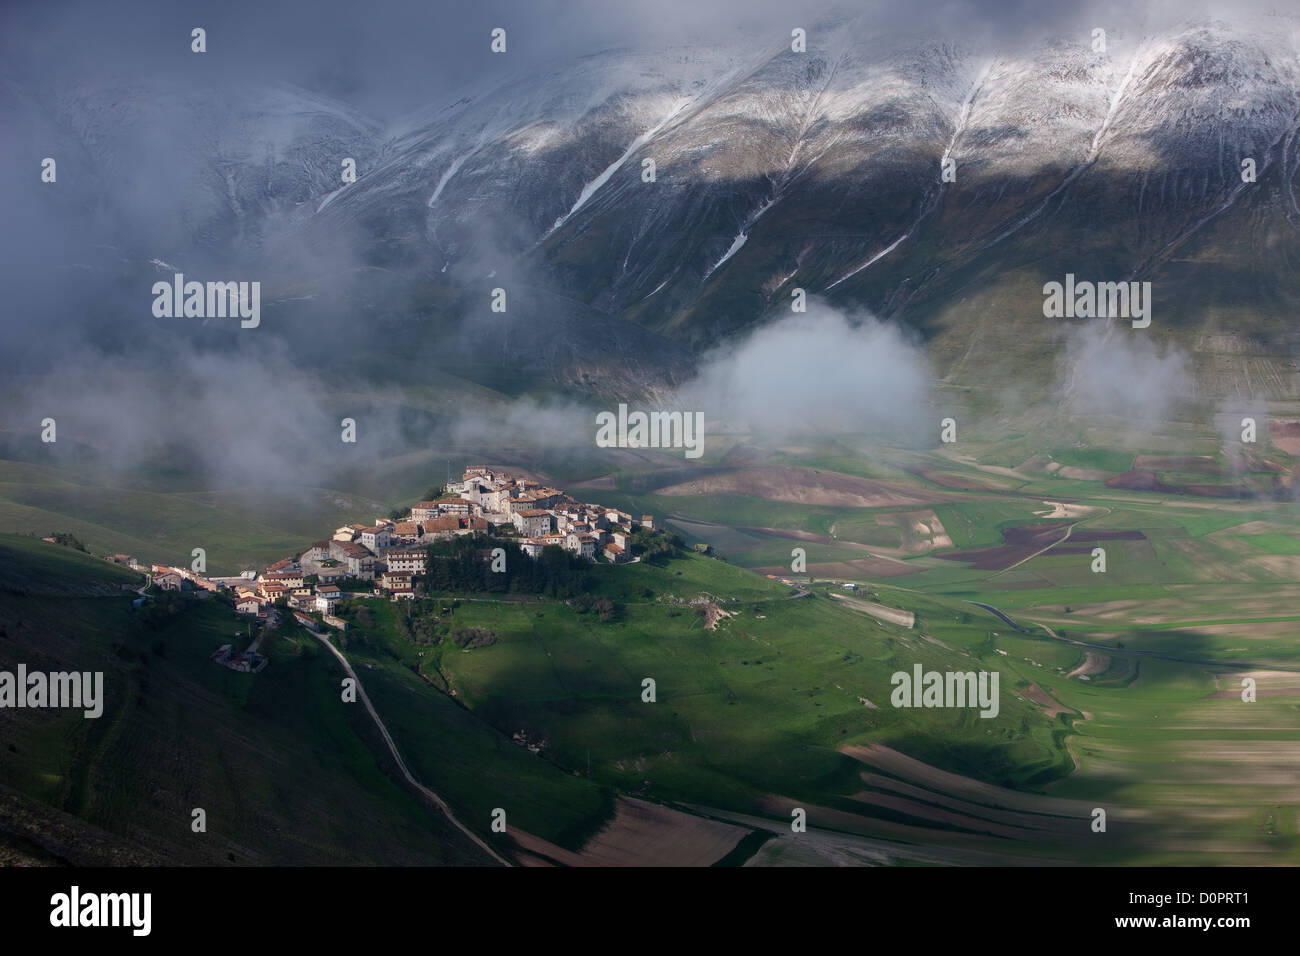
[
  {"x": 533, "y": 523},
  {"x": 375, "y": 538},
  {"x": 583, "y": 545},
  {"x": 411, "y": 562},
  {"x": 359, "y": 562},
  {"x": 454, "y": 506},
  {"x": 395, "y": 581},
  {"x": 424, "y": 511}
]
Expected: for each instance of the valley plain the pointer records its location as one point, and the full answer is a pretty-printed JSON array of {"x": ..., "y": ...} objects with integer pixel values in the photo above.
[{"x": 1121, "y": 690}]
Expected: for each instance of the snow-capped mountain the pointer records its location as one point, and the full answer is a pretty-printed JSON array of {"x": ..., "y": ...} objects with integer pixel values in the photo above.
[
  {"x": 216, "y": 169},
  {"x": 772, "y": 170}
]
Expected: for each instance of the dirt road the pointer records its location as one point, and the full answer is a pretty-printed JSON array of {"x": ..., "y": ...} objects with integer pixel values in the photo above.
[{"x": 392, "y": 748}]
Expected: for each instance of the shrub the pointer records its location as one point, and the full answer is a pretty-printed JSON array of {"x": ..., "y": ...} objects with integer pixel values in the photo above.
[{"x": 467, "y": 637}]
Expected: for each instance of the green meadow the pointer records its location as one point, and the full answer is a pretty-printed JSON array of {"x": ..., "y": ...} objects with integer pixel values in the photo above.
[{"x": 1119, "y": 690}]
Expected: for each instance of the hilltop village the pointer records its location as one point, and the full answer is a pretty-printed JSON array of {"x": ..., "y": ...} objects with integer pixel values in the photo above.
[{"x": 393, "y": 553}]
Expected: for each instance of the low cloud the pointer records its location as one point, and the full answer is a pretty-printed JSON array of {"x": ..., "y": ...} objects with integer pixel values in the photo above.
[
  {"x": 1111, "y": 370},
  {"x": 823, "y": 370},
  {"x": 244, "y": 418}
]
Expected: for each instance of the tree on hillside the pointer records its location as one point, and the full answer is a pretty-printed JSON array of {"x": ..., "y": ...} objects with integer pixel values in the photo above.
[
  {"x": 153, "y": 615},
  {"x": 606, "y": 610},
  {"x": 68, "y": 540},
  {"x": 656, "y": 548},
  {"x": 463, "y": 564}
]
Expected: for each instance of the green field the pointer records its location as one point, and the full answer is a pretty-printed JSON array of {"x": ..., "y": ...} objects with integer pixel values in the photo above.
[
  {"x": 1102, "y": 459},
  {"x": 1119, "y": 690},
  {"x": 763, "y": 705},
  {"x": 1274, "y": 543}
]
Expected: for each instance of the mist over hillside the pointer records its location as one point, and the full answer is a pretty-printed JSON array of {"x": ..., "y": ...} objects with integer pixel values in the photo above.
[{"x": 1095, "y": 143}]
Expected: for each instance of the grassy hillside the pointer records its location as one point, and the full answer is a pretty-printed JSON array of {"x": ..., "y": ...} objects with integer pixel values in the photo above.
[
  {"x": 285, "y": 772},
  {"x": 768, "y": 707},
  {"x": 33, "y": 566}
]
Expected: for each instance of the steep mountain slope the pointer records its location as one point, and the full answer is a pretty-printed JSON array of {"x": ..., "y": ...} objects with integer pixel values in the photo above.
[
  {"x": 773, "y": 170},
  {"x": 821, "y": 171}
]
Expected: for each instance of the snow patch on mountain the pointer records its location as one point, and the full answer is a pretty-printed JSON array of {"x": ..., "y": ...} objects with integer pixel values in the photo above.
[{"x": 612, "y": 168}]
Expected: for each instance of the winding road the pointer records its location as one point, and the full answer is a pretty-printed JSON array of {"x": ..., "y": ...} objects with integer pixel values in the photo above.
[
  {"x": 1240, "y": 665},
  {"x": 401, "y": 764}
]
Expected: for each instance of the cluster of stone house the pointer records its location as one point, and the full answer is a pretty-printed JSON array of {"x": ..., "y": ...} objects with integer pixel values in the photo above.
[
  {"x": 289, "y": 586},
  {"x": 391, "y": 553},
  {"x": 544, "y": 516}
]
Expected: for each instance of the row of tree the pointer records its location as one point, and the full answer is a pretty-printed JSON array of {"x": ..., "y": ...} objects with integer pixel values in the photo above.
[{"x": 466, "y": 564}]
